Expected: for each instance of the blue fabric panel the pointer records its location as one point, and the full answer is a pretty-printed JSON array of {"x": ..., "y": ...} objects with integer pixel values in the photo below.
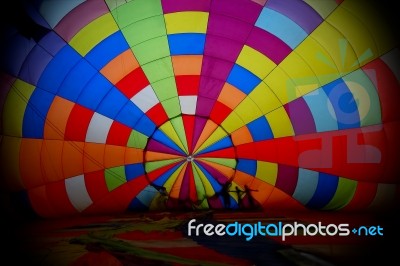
[
  {"x": 260, "y": 129},
  {"x": 186, "y": 43},
  {"x": 243, "y": 79}
]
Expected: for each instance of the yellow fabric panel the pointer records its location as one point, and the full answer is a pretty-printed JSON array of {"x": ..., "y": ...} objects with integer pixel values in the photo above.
[
  {"x": 282, "y": 85},
  {"x": 217, "y": 134},
  {"x": 267, "y": 172},
  {"x": 225, "y": 170},
  {"x": 356, "y": 34},
  {"x": 170, "y": 131},
  {"x": 323, "y": 8},
  {"x": 209, "y": 191},
  {"x": 248, "y": 110},
  {"x": 89, "y": 36},
  {"x": 186, "y": 22},
  {"x": 232, "y": 122},
  {"x": 319, "y": 59},
  {"x": 302, "y": 76},
  {"x": 384, "y": 34},
  {"x": 14, "y": 107},
  {"x": 341, "y": 53},
  {"x": 9, "y": 163},
  {"x": 255, "y": 62},
  {"x": 280, "y": 123},
  {"x": 169, "y": 184},
  {"x": 264, "y": 98}
]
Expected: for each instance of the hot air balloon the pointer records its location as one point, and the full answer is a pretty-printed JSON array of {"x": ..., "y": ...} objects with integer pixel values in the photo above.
[{"x": 104, "y": 103}]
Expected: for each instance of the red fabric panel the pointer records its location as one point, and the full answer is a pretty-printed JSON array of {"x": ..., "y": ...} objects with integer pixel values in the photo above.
[
  {"x": 133, "y": 82},
  {"x": 118, "y": 134},
  {"x": 78, "y": 123},
  {"x": 187, "y": 84},
  {"x": 219, "y": 112},
  {"x": 157, "y": 114}
]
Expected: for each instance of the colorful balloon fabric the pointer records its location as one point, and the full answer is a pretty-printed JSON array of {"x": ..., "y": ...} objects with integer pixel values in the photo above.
[{"x": 103, "y": 103}]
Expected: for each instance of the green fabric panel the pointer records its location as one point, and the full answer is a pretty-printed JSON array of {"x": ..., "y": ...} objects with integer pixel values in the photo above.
[
  {"x": 144, "y": 30},
  {"x": 201, "y": 192},
  {"x": 137, "y": 140},
  {"x": 136, "y": 10},
  {"x": 180, "y": 131},
  {"x": 344, "y": 194},
  {"x": 222, "y": 161},
  {"x": 165, "y": 88},
  {"x": 366, "y": 97},
  {"x": 113, "y": 4},
  {"x": 115, "y": 177},
  {"x": 172, "y": 107},
  {"x": 14, "y": 107},
  {"x": 151, "y": 166},
  {"x": 151, "y": 50}
]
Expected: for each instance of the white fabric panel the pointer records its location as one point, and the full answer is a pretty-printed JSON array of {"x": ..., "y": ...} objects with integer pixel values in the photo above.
[
  {"x": 392, "y": 59},
  {"x": 188, "y": 104},
  {"x": 145, "y": 99},
  {"x": 77, "y": 192},
  {"x": 98, "y": 128}
]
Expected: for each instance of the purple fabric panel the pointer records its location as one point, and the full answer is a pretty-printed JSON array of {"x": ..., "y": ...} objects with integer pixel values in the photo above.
[
  {"x": 80, "y": 17},
  {"x": 34, "y": 65},
  {"x": 215, "y": 68},
  {"x": 228, "y": 27},
  {"x": 214, "y": 173},
  {"x": 52, "y": 43},
  {"x": 184, "y": 192},
  {"x": 241, "y": 9},
  {"x": 210, "y": 87},
  {"x": 287, "y": 178},
  {"x": 199, "y": 124},
  {"x": 298, "y": 11},
  {"x": 301, "y": 117},
  {"x": 204, "y": 106},
  {"x": 170, "y": 6},
  {"x": 6, "y": 82},
  {"x": 215, "y": 202},
  {"x": 222, "y": 48},
  {"x": 156, "y": 146},
  {"x": 268, "y": 44}
]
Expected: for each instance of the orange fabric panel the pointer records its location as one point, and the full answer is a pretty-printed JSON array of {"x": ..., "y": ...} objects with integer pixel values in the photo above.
[
  {"x": 279, "y": 200},
  {"x": 230, "y": 96},
  {"x": 120, "y": 66},
  {"x": 39, "y": 201},
  {"x": 225, "y": 170},
  {"x": 263, "y": 189},
  {"x": 176, "y": 187},
  {"x": 114, "y": 156},
  {"x": 207, "y": 131},
  {"x": 187, "y": 64},
  {"x": 30, "y": 163},
  {"x": 133, "y": 155},
  {"x": 94, "y": 157},
  {"x": 241, "y": 136},
  {"x": 72, "y": 158},
  {"x": 51, "y": 158},
  {"x": 9, "y": 159},
  {"x": 159, "y": 156},
  {"x": 57, "y": 118}
]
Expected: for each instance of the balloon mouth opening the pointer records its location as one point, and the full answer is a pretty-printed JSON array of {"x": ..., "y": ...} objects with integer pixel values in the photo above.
[{"x": 190, "y": 158}]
